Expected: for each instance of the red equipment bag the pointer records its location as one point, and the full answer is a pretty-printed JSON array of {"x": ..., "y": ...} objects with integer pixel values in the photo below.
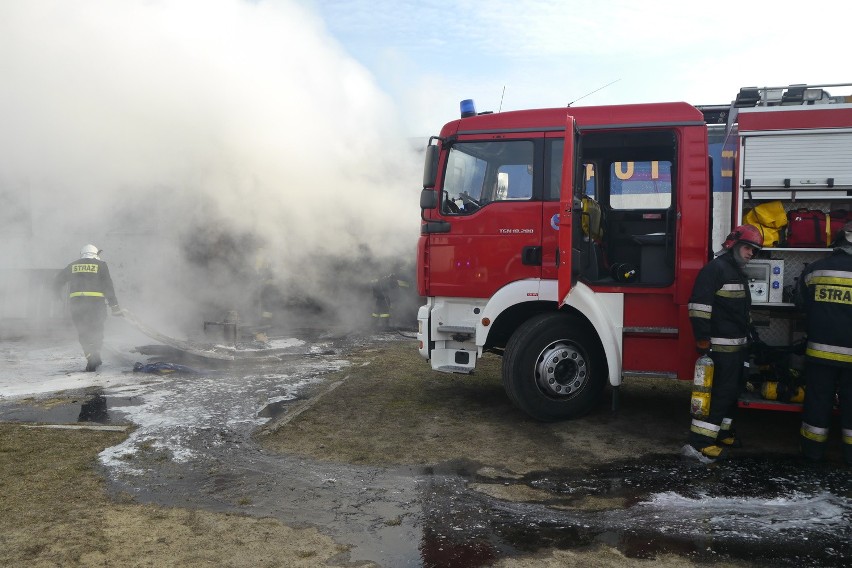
[{"x": 806, "y": 228}]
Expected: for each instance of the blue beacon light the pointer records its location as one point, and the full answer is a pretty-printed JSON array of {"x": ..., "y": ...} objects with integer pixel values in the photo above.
[{"x": 467, "y": 108}]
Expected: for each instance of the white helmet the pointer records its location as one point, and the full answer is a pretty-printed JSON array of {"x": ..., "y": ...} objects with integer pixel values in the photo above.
[{"x": 90, "y": 251}]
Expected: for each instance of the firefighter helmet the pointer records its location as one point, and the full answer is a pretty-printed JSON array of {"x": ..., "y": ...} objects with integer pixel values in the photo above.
[
  {"x": 746, "y": 234},
  {"x": 89, "y": 251}
]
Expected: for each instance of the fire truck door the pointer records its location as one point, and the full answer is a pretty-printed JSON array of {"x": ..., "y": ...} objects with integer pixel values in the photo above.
[
  {"x": 569, "y": 207},
  {"x": 495, "y": 218}
]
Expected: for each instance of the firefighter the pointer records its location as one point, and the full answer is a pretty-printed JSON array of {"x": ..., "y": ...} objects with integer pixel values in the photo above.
[
  {"x": 719, "y": 310},
  {"x": 89, "y": 287},
  {"x": 385, "y": 290},
  {"x": 825, "y": 294}
]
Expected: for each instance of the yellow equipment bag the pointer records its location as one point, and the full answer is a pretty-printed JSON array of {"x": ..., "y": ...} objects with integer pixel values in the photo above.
[
  {"x": 771, "y": 237},
  {"x": 769, "y": 218},
  {"x": 771, "y": 214}
]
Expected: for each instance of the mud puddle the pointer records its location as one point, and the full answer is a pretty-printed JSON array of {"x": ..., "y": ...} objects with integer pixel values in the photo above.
[
  {"x": 770, "y": 510},
  {"x": 91, "y": 407}
]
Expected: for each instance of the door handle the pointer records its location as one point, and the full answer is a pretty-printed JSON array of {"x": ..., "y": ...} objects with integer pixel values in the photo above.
[{"x": 531, "y": 256}]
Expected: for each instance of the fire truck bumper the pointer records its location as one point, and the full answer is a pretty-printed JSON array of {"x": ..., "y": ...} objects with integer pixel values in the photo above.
[{"x": 449, "y": 349}]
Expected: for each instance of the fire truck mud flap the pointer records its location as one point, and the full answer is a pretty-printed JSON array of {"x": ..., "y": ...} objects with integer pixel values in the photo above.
[{"x": 554, "y": 367}]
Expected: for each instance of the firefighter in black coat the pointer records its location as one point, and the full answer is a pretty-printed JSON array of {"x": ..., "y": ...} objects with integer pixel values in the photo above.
[
  {"x": 825, "y": 293},
  {"x": 385, "y": 290},
  {"x": 719, "y": 310},
  {"x": 89, "y": 287}
]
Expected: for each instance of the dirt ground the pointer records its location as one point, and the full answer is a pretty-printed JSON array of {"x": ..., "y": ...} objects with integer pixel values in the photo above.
[
  {"x": 55, "y": 512},
  {"x": 401, "y": 412},
  {"x": 387, "y": 408}
]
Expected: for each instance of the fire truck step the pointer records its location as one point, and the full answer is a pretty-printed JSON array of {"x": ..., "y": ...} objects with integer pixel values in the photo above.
[
  {"x": 454, "y": 369},
  {"x": 456, "y": 329}
]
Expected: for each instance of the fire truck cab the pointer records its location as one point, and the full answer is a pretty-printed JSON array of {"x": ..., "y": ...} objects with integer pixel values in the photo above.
[{"x": 568, "y": 241}]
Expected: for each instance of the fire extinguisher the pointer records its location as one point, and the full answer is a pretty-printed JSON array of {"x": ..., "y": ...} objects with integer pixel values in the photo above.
[{"x": 702, "y": 383}]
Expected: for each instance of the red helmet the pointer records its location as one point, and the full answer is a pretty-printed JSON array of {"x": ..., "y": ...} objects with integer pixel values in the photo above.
[{"x": 748, "y": 234}]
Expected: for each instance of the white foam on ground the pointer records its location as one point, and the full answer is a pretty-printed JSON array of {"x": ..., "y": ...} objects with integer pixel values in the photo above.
[
  {"x": 168, "y": 410},
  {"x": 748, "y": 517},
  {"x": 30, "y": 370},
  {"x": 285, "y": 343}
]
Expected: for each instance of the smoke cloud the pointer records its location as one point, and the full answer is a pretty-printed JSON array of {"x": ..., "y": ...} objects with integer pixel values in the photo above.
[{"x": 196, "y": 141}]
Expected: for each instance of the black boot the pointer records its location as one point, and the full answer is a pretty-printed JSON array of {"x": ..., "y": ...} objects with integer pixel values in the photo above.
[{"x": 730, "y": 439}]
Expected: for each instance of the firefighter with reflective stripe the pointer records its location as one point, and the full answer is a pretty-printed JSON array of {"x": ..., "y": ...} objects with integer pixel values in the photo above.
[
  {"x": 719, "y": 310},
  {"x": 825, "y": 293},
  {"x": 90, "y": 288},
  {"x": 385, "y": 290}
]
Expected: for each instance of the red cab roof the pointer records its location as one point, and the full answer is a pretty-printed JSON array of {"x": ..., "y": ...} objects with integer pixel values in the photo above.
[{"x": 590, "y": 117}]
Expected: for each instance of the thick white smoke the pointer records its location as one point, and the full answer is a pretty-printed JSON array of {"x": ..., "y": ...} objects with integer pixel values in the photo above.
[{"x": 187, "y": 138}]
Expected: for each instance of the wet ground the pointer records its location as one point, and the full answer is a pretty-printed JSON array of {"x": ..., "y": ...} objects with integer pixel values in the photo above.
[{"x": 193, "y": 446}]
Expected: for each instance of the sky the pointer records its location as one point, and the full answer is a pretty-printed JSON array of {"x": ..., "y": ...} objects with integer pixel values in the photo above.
[
  {"x": 192, "y": 139},
  {"x": 514, "y": 54}
]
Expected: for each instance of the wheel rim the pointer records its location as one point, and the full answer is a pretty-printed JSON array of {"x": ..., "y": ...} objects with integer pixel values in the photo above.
[{"x": 561, "y": 370}]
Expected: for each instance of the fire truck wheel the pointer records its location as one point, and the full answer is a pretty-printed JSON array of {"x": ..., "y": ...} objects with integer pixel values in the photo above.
[{"x": 554, "y": 367}]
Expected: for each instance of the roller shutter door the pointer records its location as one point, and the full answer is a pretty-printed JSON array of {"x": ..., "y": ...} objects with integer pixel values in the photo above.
[{"x": 807, "y": 160}]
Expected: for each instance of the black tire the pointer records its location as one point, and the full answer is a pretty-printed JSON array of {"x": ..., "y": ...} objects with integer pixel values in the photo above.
[{"x": 554, "y": 367}]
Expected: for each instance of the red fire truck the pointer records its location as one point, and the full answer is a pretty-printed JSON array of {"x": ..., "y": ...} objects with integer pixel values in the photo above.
[{"x": 568, "y": 239}]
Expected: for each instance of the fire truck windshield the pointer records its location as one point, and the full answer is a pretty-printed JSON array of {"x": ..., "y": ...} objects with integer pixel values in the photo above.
[{"x": 479, "y": 173}]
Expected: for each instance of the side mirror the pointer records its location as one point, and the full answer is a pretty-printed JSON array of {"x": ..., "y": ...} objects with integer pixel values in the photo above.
[
  {"x": 428, "y": 198},
  {"x": 430, "y": 167}
]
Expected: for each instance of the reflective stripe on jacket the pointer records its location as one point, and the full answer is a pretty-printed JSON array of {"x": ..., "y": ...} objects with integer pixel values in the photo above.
[
  {"x": 825, "y": 291},
  {"x": 88, "y": 278},
  {"x": 720, "y": 304}
]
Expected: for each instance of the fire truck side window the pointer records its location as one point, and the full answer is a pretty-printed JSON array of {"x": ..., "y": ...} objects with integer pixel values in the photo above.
[{"x": 479, "y": 173}]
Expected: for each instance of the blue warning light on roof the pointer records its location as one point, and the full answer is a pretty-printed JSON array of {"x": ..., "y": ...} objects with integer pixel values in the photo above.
[{"x": 467, "y": 108}]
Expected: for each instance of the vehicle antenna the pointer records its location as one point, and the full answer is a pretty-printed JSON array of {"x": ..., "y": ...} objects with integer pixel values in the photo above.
[
  {"x": 501, "y": 99},
  {"x": 595, "y": 91}
]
